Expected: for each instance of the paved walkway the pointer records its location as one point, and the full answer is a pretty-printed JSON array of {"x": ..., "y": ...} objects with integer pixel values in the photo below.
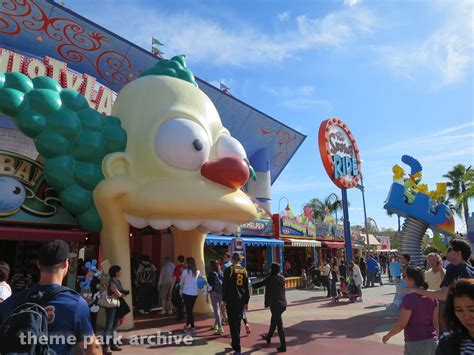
[{"x": 313, "y": 325}]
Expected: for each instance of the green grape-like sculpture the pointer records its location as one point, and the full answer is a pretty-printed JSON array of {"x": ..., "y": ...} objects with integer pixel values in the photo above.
[{"x": 68, "y": 133}]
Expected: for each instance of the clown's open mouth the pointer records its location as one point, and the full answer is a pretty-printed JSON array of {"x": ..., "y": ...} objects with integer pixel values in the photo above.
[{"x": 202, "y": 225}]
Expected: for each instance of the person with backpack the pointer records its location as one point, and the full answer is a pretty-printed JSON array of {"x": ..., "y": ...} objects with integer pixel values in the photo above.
[
  {"x": 146, "y": 280},
  {"x": 214, "y": 279},
  {"x": 235, "y": 294},
  {"x": 176, "y": 298},
  {"x": 48, "y": 309}
]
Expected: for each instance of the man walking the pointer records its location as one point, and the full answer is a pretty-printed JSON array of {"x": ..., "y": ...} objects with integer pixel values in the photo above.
[
  {"x": 235, "y": 295},
  {"x": 68, "y": 312},
  {"x": 146, "y": 280},
  {"x": 371, "y": 270},
  {"x": 176, "y": 298},
  {"x": 164, "y": 285}
]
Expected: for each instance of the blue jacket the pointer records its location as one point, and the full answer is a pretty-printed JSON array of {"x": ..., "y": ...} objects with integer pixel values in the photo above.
[{"x": 371, "y": 265}]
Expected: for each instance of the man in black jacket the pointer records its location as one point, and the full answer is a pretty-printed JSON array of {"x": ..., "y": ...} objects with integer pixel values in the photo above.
[
  {"x": 235, "y": 295},
  {"x": 275, "y": 299}
]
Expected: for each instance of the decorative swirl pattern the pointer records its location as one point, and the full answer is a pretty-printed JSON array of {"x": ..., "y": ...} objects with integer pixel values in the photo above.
[
  {"x": 286, "y": 141},
  {"x": 76, "y": 45}
]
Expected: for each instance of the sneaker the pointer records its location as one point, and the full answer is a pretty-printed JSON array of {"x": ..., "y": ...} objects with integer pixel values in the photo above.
[
  {"x": 170, "y": 313},
  {"x": 281, "y": 349},
  {"x": 192, "y": 332},
  {"x": 219, "y": 331},
  {"x": 114, "y": 347},
  {"x": 247, "y": 328},
  {"x": 214, "y": 327},
  {"x": 141, "y": 311},
  {"x": 360, "y": 300},
  {"x": 163, "y": 312},
  {"x": 186, "y": 330}
]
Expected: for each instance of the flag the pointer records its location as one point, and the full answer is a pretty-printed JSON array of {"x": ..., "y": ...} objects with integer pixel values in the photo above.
[
  {"x": 157, "y": 52},
  {"x": 225, "y": 89},
  {"x": 156, "y": 41}
]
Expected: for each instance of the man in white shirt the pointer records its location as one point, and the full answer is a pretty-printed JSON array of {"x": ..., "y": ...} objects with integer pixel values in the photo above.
[
  {"x": 5, "y": 290},
  {"x": 326, "y": 274},
  {"x": 164, "y": 285},
  {"x": 435, "y": 274}
]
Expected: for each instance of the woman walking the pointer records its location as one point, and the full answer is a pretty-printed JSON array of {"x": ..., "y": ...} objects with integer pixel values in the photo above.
[
  {"x": 418, "y": 317},
  {"x": 275, "y": 299},
  {"x": 114, "y": 288},
  {"x": 459, "y": 315},
  {"x": 333, "y": 279},
  {"x": 356, "y": 278},
  {"x": 189, "y": 290},
  {"x": 214, "y": 279}
]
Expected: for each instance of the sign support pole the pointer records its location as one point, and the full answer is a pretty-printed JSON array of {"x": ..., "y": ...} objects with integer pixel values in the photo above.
[{"x": 347, "y": 226}]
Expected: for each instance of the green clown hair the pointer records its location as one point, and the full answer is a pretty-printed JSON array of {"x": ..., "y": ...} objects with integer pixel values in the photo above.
[
  {"x": 71, "y": 136},
  {"x": 174, "y": 67}
]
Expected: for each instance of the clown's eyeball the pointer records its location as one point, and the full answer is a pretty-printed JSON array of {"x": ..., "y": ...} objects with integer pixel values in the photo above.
[
  {"x": 176, "y": 144},
  {"x": 228, "y": 146}
]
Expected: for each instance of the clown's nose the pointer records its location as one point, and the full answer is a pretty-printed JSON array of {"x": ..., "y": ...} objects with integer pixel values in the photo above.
[{"x": 231, "y": 172}]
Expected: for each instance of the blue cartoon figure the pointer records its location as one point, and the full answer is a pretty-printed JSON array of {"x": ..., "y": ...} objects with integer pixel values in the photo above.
[
  {"x": 12, "y": 196},
  {"x": 92, "y": 272}
]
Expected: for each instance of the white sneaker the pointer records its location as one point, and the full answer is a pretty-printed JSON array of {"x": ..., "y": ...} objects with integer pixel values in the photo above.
[
  {"x": 163, "y": 312},
  {"x": 170, "y": 313},
  {"x": 360, "y": 300},
  {"x": 141, "y": 311}
]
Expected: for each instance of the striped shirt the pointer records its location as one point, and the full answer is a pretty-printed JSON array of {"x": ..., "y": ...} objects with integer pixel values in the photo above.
[{"x": 467, "y": 347}]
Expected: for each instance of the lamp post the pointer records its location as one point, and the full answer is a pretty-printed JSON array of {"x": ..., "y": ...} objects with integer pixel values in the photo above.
[
  {"x": 362, "y": 189},
  {"x": 336, "y": 198},
  {"x": 279, "y": 201}
]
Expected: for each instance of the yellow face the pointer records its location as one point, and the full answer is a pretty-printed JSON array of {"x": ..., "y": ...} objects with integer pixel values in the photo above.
[{"x": 181, "y": 166}]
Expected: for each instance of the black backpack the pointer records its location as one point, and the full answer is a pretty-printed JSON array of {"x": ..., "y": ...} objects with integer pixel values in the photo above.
[{"x": 29, "y": 317}]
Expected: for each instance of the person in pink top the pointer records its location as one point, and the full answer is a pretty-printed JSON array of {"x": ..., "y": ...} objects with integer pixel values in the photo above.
[{"x": 418, "y": 317}]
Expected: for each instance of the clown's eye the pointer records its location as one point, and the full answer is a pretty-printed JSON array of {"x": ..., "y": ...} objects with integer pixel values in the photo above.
[
  {"x": 16, "y": 190},
  {"x": 182, "y": 144},
  {"x": 228, "y": 146}
]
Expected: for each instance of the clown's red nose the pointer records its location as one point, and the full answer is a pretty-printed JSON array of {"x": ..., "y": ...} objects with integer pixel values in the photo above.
[{"x": 231, "y": 172}]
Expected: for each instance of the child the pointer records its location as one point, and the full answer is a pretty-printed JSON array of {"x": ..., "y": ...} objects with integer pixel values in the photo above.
[
  {"x": 304, "y": 278},
  {"x": 418, "y": 317}
]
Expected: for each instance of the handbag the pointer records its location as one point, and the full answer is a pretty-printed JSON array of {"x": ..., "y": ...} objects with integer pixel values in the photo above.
[{"x": 108, "y": 301}]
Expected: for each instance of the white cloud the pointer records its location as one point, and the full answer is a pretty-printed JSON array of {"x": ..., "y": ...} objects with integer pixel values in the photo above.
[
  {"x": 221, "y": 41},
  {"x": 284, "y": 16},
  {"x": 297, "y": 98},
  {"x": 351, "y": 2},
  {"x": 302, "y": 103},
  {"x": 446, "y": 54}
]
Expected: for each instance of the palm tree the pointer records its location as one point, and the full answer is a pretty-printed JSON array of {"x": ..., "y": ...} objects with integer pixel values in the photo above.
[
  {"x": 319, "y": 209},
  {"x": 460, "y": 189}
]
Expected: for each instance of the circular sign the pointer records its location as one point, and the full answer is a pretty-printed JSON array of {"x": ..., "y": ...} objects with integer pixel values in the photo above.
[{"x": 339, "y": 153}]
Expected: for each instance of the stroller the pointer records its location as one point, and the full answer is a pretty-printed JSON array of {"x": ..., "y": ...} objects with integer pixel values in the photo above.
[
  {"x": 346, "y": 290},
  {"x": 378, "y": 276}
]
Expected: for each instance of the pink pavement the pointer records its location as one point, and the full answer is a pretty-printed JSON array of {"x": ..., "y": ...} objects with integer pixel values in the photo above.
[{"x": 313, "y": 325}]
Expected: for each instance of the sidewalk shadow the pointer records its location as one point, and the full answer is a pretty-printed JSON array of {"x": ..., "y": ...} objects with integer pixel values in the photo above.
[{"x": 355, "y": 327}]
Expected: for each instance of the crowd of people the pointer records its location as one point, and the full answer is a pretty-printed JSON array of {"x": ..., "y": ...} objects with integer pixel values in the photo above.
[{"x": 437, "y": 299}]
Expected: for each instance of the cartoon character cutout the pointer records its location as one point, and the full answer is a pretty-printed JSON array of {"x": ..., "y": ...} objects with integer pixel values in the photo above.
[{"x": 12, "y": 196}]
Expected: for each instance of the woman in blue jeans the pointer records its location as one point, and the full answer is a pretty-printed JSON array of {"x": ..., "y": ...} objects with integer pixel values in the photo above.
[{"x": 111, "y": 314}]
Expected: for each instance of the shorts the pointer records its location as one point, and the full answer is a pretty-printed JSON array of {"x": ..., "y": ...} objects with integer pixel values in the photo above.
[
  {"x": 165, "y": 292},
  {"x": 425, "y": 347}
]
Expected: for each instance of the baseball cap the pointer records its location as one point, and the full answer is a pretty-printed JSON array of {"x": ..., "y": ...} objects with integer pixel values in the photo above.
[{"x": 53, "y": 253}]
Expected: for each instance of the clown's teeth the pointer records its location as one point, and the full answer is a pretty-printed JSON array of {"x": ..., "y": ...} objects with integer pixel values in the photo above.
[
  {"x": 203, "y": 230},
  {"x": 137, "y": 222},
  {"x": 230, "y": 229},
  {"x": 214, "y": 226},
  {"x": 186, "y": 225},
  {"x": 159, "y": 223}
]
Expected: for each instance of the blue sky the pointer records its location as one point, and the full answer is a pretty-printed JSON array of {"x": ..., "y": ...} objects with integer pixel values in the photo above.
[{"x": 400, "y": 73}]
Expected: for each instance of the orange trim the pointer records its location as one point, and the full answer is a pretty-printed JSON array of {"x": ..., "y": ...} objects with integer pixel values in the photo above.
[{"x": 326, "y": 157}]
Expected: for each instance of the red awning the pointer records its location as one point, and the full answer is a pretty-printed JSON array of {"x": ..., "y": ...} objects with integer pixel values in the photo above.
[
  {"x": 39, "y": 234},
  {"x": 334, "y": 245}
]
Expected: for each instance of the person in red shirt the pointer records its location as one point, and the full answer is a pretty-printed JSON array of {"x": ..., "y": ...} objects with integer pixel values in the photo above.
[{"x": 176, "y": 298}]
